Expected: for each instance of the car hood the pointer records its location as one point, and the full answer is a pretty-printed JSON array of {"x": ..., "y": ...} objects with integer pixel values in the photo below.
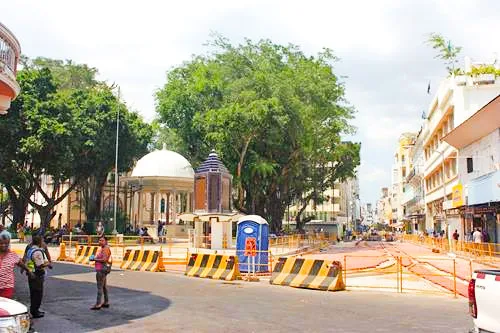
[{"x": 10, "y": 307}]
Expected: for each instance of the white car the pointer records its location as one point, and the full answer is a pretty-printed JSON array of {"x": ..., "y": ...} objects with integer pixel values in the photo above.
[
  {"x": 14, "y": 317},
  {"x": 484, "y": 293}
]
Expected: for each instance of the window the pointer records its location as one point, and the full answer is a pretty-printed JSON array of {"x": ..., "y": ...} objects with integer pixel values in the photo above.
[
  {"x": 403, "y": 159},
  {"x": 470, "y": 165},
  {"x": 403, "y": 172}
]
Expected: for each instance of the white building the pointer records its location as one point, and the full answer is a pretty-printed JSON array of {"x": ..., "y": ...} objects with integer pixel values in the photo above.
[
  {"x": 455, "y": 101},
  {"x": 400, "y": 170},
  {"x": 478, "y": 142},
  {"x": 413, "y": 196}
]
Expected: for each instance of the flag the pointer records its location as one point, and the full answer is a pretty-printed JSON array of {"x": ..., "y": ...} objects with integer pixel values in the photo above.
[{"x": 429, "y": 87}]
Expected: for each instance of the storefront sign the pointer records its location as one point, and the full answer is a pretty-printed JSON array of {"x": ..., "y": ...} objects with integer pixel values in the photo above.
[
  {"x": 480, "y": 210},
  {"x": 457, "y": 196}
]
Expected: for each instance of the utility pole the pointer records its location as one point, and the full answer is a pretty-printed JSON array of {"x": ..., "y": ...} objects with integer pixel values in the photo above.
[{"x": 116, "y": 164}]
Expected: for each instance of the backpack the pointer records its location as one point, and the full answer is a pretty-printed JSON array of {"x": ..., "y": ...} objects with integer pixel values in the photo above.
[{"x": 28, "y": 258}]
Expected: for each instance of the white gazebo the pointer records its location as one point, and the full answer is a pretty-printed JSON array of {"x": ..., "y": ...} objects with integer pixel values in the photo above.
[{"x": 162, "y": 184}]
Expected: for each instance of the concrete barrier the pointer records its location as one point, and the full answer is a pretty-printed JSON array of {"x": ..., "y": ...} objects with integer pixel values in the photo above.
[
  {"x": 308, "y": 273},
  {"x": 143, "y": 260},
  {"x": 84, "y": 253},
  {"x": 213, "y": 266}
]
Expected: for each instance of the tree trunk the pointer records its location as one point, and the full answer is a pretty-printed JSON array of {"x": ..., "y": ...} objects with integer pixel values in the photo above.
[
  {"x": 299, "y": 225},
  {"x": 46, "y": 213},
  {"x": 239, "y": 169},
  {"x": 92, "y": 190},
  {"x": 19, "y": 206}
]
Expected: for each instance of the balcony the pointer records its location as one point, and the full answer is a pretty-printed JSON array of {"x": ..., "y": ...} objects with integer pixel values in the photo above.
[{"x": 10, "y": 51}]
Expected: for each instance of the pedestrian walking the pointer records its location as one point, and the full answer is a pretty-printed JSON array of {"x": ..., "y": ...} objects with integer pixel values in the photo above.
[
  {"x": 102, "y": 269},
  {"x": 36, "y": 262},
  {"x": 456, "y": 235},
  {"x": 100, "y": 229},
  {"x": 477, "y": 236},
  {"x": 8, "y": 261},
  {"x": 485, "y": 237}
]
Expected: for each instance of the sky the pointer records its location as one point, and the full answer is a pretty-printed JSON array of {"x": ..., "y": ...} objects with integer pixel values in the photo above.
[{"x": 384, "y": 60}]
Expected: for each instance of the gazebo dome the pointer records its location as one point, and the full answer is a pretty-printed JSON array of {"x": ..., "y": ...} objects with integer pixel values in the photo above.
[{"x": 163, "y": 163}]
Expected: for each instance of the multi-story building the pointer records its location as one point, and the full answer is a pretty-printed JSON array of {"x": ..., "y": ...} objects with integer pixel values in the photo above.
[
  {"x": 341, "y": 206},
  {"x": 10, "y": 52},
  {"x": 413, "y": 196},
  {"x": 478, "y": 193},
  {"x": 384, "y": 207},
  {"x": 400, "y": 170},
  {"x": 456, "y": 99}
]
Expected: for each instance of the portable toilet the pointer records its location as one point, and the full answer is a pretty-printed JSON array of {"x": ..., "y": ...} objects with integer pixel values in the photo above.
[{"x": 253, "y": 229}]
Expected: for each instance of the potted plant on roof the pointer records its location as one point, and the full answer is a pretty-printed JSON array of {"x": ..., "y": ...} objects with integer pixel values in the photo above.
[{"x": 483, "y": 74}]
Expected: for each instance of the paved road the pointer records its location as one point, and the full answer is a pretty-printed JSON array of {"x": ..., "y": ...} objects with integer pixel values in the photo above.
[{"x": 169, "y": 302}]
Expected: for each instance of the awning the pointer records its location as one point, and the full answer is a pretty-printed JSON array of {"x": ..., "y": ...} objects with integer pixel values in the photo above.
[
  {"x": 484, "y": 189},
  {"x": 480, "y": 124}
]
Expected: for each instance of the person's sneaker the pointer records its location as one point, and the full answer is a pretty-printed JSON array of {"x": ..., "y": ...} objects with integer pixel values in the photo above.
[{"x": 37, "y": 315}]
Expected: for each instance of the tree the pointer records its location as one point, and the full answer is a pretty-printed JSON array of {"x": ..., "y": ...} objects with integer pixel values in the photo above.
[
  {"x": 63, "y": 134},
  {"x": 446, "y": 51},
  {"x": 36, "y": 87},
  {"x": 167, "y": 137},
  {"x": 275, "y": 115},
  {"x": 100, "y": 107}
]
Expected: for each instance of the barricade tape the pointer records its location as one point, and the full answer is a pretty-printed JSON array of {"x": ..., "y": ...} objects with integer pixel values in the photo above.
[
  {"x": 308, "y": 273},
  {"x": 213, "y": 266}
]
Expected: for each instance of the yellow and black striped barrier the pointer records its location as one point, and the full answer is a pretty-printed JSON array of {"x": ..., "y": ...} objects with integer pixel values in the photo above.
[
  {"x": 308, "y": 273},
  {"x": 213, "y": 266},
  {"x": 143, "y": 260},
  {"x": 84, "y": 253}
]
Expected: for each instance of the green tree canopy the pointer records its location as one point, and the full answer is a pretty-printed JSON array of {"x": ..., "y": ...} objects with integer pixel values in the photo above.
[
  {"x": 275, "y": 115},
  {"x": 61, "y": 131},
  {"x": 446, "y": 51}
]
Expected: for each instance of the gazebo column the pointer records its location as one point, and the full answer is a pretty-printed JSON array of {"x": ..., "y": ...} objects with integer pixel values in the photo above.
[
  {"x": 140, "y": 201},
  {"x": 174, "y": 207},
  {"x": 157, "y": 206},
  {"x": 152, "y": 207}
]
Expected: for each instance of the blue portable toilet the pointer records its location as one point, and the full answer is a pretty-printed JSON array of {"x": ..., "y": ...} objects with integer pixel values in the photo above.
[{"x": 257, "y": 227}]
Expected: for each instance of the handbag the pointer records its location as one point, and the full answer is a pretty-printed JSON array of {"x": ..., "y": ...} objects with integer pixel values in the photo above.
[{"x": 106, "y": 268}]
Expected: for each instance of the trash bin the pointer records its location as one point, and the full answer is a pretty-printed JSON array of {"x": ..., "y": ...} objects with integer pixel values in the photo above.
[{"x": 256, "y": 230}]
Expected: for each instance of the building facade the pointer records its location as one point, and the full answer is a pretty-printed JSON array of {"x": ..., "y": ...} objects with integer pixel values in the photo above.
[
  {"x": 384, "y": 207},
  {"x": 477, "y": 140},
  {"x": 413, "y": 196},
  {"x": 341, "y": 207},
  {"x": 455, "y": 101},
  {"x": 10, "y": 52},
  {"x": 400, "y": 171}
]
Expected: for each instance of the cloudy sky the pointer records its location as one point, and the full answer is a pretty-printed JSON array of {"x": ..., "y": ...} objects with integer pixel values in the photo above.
[{"x": 381, "y": 45}]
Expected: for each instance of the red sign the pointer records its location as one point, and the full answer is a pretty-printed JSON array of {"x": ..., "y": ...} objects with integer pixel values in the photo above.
[{"x": 250, "y": 247}]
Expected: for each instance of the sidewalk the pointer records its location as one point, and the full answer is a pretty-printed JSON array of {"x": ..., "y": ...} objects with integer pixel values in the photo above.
[{"x": 442, "y": 261}]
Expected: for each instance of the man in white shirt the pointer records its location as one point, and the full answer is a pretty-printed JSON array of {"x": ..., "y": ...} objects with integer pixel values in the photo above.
[{"x": 477, "y": 237}]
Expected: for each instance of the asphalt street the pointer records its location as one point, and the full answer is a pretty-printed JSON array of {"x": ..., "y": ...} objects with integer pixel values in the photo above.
[{"x": 169, "y": 302}]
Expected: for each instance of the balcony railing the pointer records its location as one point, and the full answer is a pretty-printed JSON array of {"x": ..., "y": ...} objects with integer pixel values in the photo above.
[{"x": 10, "y": 49}]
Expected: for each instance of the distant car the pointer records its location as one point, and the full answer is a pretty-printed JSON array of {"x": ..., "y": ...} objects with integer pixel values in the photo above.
[{"x": 14, "y": 316}]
